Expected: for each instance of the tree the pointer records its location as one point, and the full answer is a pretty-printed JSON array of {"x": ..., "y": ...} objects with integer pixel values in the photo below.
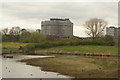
[
  {"x": 4, "y": 31},
  {"x": 4, "y": 36},
  {"x": 36, "y": 37},
  {"x": 24, "y": 37},
  {"x": 38, "y": 30},
  {"x": 95, "y": 27},
  {"x": 23, "y": 29},
  {"x": 109, "y": 39},
  {"x": 14, "y": 33}
]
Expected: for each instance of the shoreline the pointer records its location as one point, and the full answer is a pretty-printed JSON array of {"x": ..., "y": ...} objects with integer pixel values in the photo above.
[
  {"x": 80, "y": 54},
  {"x": 66, "y": 53}
]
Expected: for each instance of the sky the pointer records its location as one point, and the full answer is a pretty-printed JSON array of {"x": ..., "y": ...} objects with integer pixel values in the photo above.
[{"x": 29, "y": 14}]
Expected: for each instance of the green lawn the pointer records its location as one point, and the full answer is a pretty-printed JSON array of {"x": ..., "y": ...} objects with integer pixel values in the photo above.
[
  {"x": 13, "y": 44},
  {"x": 8, "y": 47},
  {"x": 10, "y": 50},
  {"x": 84, "y": 49}
]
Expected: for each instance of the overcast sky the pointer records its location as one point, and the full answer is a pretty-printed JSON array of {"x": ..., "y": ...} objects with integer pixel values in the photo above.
[{"x": 30, "y": 14}]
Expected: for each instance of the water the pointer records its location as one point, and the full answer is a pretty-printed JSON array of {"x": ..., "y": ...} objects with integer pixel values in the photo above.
[{"x": 13, "y": 69}]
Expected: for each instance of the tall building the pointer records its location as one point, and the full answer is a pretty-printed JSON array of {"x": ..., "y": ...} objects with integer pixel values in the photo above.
[
  {"x": 113, "y": 31},
  {"x": 57, "y": 27}
]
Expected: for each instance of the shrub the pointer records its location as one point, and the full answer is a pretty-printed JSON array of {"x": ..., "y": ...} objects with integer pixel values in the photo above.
[
  {"x": 34, "y": 37},
  {"x": 29, "y": 47},
  {"x": 109, "y": 40},
  {"x": 4, "y": 38},
  {"x": 69, "y": 42},
  {"x": 52, "y": 37}
]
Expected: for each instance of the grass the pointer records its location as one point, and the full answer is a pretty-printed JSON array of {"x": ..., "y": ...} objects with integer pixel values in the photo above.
[
  {"x": 10, "y": 50},
  {"x": 8, "y": 47},
  {"x": 80, "y": 49},
  {"x": 13, "y": 44},
  {"x": 78, "y": 66},
  {"x": 84, "y": 49}
]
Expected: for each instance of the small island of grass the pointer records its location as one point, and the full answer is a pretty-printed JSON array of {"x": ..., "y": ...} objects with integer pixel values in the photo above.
[{"x": 78, "y": 66}]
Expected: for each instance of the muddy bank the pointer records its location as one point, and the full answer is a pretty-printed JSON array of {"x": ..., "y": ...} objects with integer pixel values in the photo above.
[
  {"x": 64, "y": 53},
  {"x": 82, "y": 54}
]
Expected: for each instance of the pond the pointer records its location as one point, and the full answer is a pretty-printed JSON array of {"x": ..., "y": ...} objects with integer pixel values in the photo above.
[{"x": 13, "y": 69}]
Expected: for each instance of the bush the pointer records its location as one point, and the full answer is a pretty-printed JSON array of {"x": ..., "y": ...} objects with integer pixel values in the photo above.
[
  {"x": 109, "y": 40},
  {"x": 29, "y": 47},
  {"x": 52, "y": 37},
  {"x": 5, "y": 38},
  {"x": 34, "y": 37}
]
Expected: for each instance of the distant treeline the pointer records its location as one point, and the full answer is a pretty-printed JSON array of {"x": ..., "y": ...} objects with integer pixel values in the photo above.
[
  {"x": 15, "y": 34},
  {"x": 41, "y": 41}
]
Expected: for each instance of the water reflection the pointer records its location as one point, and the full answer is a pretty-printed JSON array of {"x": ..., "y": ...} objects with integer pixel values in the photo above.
[{"x": 13, "y": 69}]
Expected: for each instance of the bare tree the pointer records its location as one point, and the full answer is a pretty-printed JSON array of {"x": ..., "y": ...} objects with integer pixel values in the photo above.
[
  {"x": 15, "y": 31},
  {"x": 95, "y": 27},
  {"x": 4, "y": 31}
]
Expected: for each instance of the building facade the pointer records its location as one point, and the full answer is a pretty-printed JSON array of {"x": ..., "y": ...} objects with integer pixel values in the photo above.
[
  {"x": 57, "y": 27},
  {"x": 113, "y": 31}
]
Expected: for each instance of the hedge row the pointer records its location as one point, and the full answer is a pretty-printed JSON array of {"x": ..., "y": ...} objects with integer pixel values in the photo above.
[{"x": 68, "y": 42}]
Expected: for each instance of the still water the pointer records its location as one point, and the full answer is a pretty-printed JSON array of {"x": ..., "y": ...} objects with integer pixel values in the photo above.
[{"x": 13, "y": 69}]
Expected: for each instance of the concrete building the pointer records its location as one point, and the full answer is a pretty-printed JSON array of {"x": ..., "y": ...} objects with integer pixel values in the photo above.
[
  {"x": 57, "y": 27},
  {"x": 113, "y": 31}
]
